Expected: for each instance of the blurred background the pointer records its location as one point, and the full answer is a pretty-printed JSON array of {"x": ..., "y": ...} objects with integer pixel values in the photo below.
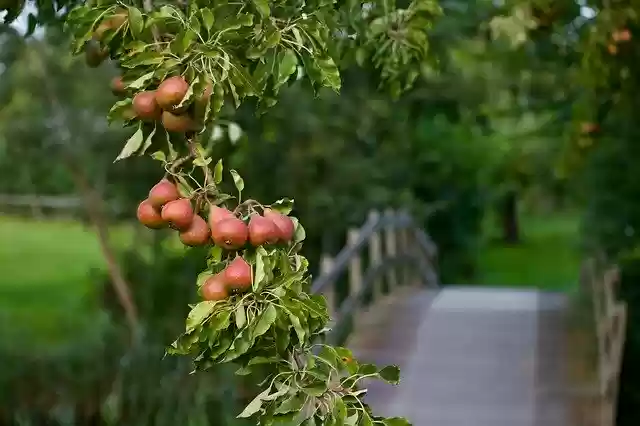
[{"x": 514, "y": 156}]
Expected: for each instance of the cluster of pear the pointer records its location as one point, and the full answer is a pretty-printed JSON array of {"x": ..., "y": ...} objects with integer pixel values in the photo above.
[
  {"x": 164, "y": 207},
  {"x": 163, "y": 104}
]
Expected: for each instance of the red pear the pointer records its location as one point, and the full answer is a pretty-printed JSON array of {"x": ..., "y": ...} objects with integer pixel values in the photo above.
[
  {"x": 171, "y": 91},
  {"x": 216, "y": 214},
  {"x": 262, "y": 231},
  {"x": 178, "y": 213},
  {"x": 230, "y": 233},
  {"x": 237, "y": 275},
  {"x": 149, "y": 216},
  {"x": 145, "y": 106},
  {"x": 214, "y": 288},
  {"x": 284, "y": 223},
  {"x": 163, "y": 192},
  {"x": 197, "y": 234}
]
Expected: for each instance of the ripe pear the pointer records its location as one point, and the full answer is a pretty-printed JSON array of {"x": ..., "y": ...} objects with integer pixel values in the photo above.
[
  {"x": 262, "y": 231},
  {"x": 171, "y": 92},
  {"x": 117, "y": 86},
  {"x": 216, "y": 214},
  {"x": 214, "y": 288},
  {"x": 284, "y": 223},
  {"x": 197, "y": 234},
  {"x": 149, "y": 216},
  {"x": 163, "y": 192},
  {"x": 178, "y": 213},
  {"x": 179, "y": 123},
  {"x": 230, "y": 233},
  {"x": 237, "y": 275},
  {"x": 145, "y": 106},
  {"x": 95, "y": 54}
]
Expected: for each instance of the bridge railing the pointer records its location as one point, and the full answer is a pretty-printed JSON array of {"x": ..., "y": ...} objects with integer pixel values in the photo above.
[
  {"x": 595, "y": 403},
  {"x": 388, "y": 251}
]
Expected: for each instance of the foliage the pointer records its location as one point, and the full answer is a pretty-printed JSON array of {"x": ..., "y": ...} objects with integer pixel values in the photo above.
[{"x": 191, "y": 62}]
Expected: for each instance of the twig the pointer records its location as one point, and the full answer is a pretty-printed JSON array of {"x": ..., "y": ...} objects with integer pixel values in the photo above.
[{"x": 95, "y": 208}]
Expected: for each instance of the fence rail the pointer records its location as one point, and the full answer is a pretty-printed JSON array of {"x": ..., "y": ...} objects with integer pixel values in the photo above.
[
  {"x": 58, "y": 202},
  {"x": 594, "y": 404},
  {"x": 398, "y": 253}
]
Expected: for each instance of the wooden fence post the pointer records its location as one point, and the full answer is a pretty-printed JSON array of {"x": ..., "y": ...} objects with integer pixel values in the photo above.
[
  {"x": 326, "y": 265},
  {"x": 355, "y": 266},
  {"x": 405, "y": 251},
  {"x": 391, "y": 249},
  {"x": 375, "y": 255}
]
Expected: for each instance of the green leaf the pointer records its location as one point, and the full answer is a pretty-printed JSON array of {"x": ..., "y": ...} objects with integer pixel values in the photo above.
[
  {"x": 265, "y": 321},
  {"x": 199, "y": 313},
  {"x": 330, "y": 73},
  {"x": 263, "y": 360},
  {"x": 352, "y": 420},
  {"x": 237, "y": 180},
  {"x": 243, "y": 371},
  {"x": 261, "y": 273},
  {"x": 297, "y": 326},
  {"x": 241, "y": 316},
  {"x": 136, "y": 21},
  {"x": 299, "y": 233},
  {"x": 293, "y": 403},
  {"x": 217, "y": 172},
  {"x": 366, "y": 419},
  {"x": 254, "y": 406},
  {"x": 396, "y": 421},
  {"x": 188, "y": 97},
  {"x": 148, "y": 141},
  {"x": 202, "y": 277},
  {"x": 219, "y": 322},
  {"x": 288, "y": 62},
  {"x": 329, "y": 355},
  {"x": 160, "y": 156},
  {"x": 315, "y": 389},
  {"x": 207, "y": 18},
  {"x": 215, "y": 255},
  {"x": 118, "y": 109},
  {"x": 239, "y": 347},
  {"x": 339, "y": 411},
  {"x": 283, "y": 205},
  {"x": 141, "y": 81},
  {"x": 390, "y": 374},
  {"x": 132, "y": 146},
  {"x": 263, "y": 7}
]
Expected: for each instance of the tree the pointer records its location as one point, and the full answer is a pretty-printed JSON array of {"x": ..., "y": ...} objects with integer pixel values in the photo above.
[{"x": 181, "y": 64}]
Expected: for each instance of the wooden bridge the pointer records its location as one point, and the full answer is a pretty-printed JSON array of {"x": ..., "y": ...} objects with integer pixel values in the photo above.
[{"x": 469, "y": 356}]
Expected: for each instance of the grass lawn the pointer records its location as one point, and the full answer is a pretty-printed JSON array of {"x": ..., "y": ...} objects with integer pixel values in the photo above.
[
  {"x": 45, "y": 284},
  {"x": 548, "y": 257}
]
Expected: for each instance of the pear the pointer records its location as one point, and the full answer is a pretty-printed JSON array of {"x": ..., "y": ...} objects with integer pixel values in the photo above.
[
  {"x": 149, "y": 216},
  {"x": 163, "y": 192},
  {"x": 237, "y": 275},
  {"x": 214, "y": 288},
  {"x": 178, "y": 213},
  {"x": 262, "y": 231},
  {"x": 197, "y": 234},
  {"x": 284, "y": 223},
  {"x": 230, "y": 233}
]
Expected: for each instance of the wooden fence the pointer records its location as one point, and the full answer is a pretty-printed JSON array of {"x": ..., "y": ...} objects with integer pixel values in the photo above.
[
  {"x": 390, "y": 250},
  {"x": 594, "y": 403}
]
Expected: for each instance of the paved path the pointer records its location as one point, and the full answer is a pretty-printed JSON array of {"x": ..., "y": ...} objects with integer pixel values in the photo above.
[{"x": 469, "y": 356}]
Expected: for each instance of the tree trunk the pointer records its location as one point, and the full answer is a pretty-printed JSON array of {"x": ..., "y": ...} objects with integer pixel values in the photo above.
[
  {"x": 95, "y": 208},
  {"x": 509, "y": 218}
]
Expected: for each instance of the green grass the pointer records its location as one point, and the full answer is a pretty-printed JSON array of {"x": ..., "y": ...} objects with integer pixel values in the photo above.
[
  {"x": 45, "y": 283},
  {"x": 547, "y": 258}
]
